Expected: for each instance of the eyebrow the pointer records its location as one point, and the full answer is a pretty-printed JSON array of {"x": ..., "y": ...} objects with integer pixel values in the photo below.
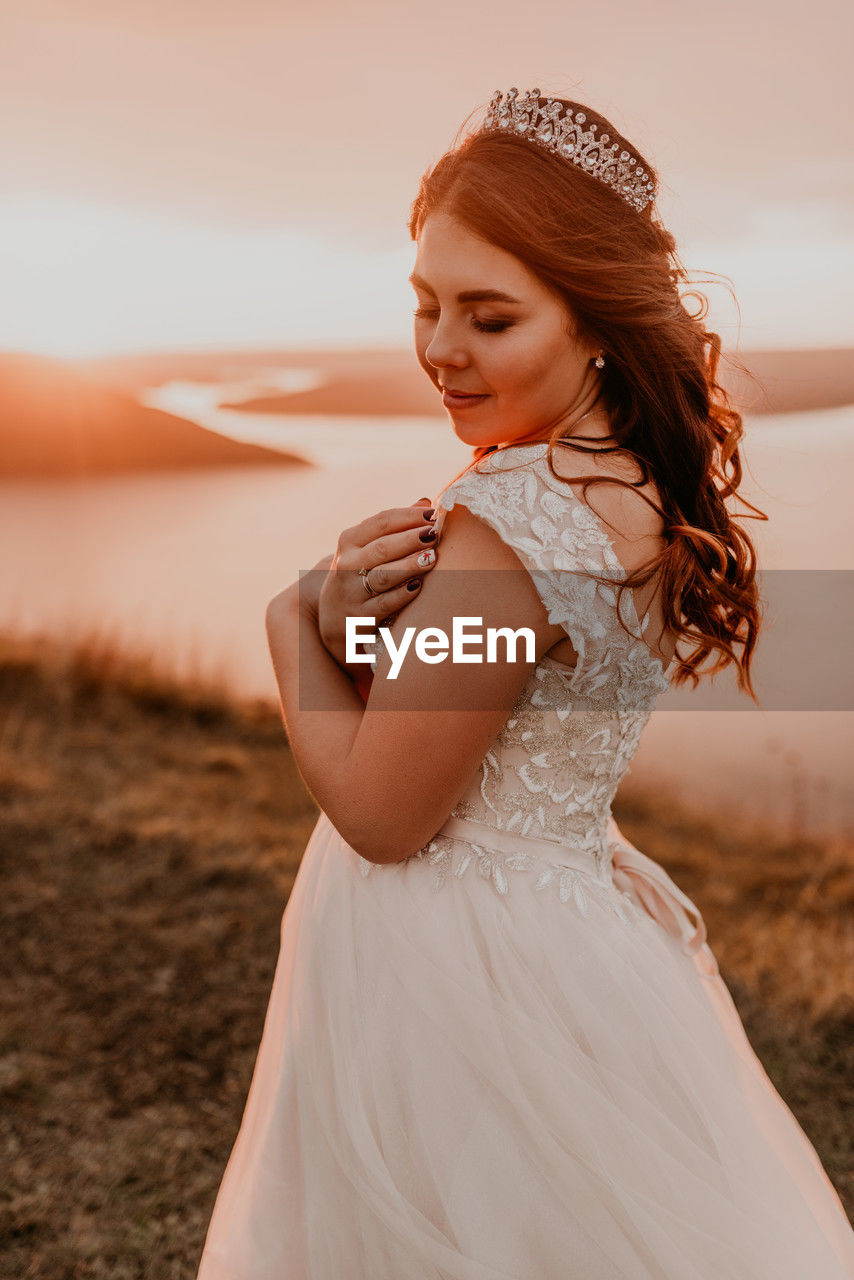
[{"x": 469, "y": 295}]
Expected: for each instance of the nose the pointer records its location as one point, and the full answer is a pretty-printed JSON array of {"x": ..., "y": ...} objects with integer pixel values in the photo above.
[{"x": 443, "y": 350}]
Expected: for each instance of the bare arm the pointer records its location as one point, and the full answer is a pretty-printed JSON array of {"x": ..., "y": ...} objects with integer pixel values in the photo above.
[
  {"x": 388, "y": 773},
  {"x": 322, "y": 739}
]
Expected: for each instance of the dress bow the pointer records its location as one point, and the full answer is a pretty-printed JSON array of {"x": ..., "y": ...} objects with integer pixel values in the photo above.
[{"x": 660, "y": 896}]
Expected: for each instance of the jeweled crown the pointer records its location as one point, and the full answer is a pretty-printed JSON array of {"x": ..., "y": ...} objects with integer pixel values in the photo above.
[{"x": 550, "y": 124}]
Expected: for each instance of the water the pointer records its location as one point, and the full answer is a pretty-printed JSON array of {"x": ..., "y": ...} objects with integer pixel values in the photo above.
[
  {"x": 185, "y": 563},
  {"x": 354, "y": 444}
]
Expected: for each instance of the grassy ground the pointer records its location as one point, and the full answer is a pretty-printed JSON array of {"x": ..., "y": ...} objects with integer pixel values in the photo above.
[{"x": 149, "y": 835}]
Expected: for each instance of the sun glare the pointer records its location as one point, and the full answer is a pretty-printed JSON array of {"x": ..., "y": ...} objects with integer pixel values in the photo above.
[{"x": 82, "y": 278}]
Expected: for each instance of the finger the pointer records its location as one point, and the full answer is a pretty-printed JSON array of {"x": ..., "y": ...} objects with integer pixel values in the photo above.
[
  {"x": 400, "y": 596},
  {"x": 384, "y": 524},
  {"x": 392, "y": 602},
  {"x": 387, "y": 577},
  {"x": 388, "y": 551},
  {"x": 383, "y": 603},
  {"x": 439, "y": 520}
]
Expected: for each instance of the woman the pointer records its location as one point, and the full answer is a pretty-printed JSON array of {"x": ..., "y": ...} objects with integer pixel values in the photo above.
[{"x": 497, "y": 1043}]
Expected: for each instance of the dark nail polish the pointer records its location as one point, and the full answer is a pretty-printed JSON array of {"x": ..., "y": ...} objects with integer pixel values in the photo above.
[
  {"x": 427, "y": 535},
  {"x": 413, "y": 584},
  {"x": 429, "y": 513}
]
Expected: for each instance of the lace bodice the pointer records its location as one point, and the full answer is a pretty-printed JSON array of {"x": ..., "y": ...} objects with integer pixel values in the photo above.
[{"x": 554, "y": 768}]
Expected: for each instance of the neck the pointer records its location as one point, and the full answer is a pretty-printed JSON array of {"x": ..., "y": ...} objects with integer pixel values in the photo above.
[
  {"x": 586, "y": 420},
  {"x": 588, "y": 409},
  {"x": 596, "y": 425}
]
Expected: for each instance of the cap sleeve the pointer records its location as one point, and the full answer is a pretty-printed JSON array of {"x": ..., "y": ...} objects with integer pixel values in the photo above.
[{"x": 554, "y": 534}]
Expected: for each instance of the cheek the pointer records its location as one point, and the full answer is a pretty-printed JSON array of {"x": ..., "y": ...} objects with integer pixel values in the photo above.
[{"x": 518, "y": 367}]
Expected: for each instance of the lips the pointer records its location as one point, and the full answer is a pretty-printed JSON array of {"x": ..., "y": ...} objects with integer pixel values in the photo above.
[{"x": 460, "y": 401}]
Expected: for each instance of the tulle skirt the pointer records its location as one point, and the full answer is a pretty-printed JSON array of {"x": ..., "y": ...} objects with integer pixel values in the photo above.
[{"x": 459, "y": 1084}]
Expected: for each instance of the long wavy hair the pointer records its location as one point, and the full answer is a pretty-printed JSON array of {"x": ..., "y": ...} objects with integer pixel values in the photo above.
[{"x": 618, "y": 273}]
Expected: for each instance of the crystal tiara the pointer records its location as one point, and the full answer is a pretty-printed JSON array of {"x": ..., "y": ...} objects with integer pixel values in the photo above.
[{"x": 549, "y": 127}]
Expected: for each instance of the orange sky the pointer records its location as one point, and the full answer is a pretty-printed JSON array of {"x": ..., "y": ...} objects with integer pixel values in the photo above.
[{"x": 170, "y": 168}]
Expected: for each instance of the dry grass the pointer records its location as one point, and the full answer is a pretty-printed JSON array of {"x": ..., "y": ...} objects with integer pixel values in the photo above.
[{"x": 150, "y": 835}]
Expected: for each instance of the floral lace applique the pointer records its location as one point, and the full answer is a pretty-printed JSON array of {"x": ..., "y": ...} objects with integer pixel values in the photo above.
[
  {"x": 451, "y": 856},
  {"x": 554, "y": 768}
]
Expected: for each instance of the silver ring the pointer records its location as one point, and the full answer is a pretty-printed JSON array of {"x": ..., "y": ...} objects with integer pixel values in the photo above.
[{"x": 363, "y": 573}]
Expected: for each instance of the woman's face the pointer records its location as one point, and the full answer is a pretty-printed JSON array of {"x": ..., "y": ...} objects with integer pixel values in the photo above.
[{"x": 517, "y": 352}]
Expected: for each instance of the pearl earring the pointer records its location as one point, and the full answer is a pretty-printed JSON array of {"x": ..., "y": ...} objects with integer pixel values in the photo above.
[{"x": 600, "y": 361}]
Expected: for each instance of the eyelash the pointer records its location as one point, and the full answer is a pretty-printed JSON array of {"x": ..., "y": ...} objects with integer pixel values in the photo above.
[{"x": 482, "y": 326}]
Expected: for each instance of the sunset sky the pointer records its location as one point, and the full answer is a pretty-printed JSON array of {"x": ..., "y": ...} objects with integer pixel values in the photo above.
[{"x": 203, "y": 173}]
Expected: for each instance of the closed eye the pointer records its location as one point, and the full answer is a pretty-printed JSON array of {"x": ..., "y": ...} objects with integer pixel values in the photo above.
[{"x": 482, "y": 326}]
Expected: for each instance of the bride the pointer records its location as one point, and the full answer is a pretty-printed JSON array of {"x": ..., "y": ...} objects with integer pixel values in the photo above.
[{"x": 497, "y": 1042}]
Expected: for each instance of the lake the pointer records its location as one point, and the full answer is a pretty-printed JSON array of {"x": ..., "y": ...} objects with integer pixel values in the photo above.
[{"x": 184, "y": 563}]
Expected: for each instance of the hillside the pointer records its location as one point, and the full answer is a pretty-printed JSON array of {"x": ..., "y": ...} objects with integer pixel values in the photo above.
[
  {"x": 57, "y": 420},
  {"x": 149, "y": 837}
]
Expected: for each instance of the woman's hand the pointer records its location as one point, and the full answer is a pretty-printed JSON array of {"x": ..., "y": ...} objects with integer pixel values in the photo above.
[{"x": 395, "y": 545}]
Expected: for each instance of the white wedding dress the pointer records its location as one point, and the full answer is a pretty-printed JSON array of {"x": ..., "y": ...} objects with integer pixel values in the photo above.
[{"x": 512, "y": 1055}]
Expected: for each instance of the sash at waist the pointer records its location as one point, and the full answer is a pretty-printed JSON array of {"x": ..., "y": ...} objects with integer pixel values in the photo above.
[
  {"x": 631, "y": 872},
  {"x": 511, "y": 842}
]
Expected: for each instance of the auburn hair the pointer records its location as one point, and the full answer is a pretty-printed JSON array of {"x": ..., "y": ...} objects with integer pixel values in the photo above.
[{"x": 618, "y": 273}]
